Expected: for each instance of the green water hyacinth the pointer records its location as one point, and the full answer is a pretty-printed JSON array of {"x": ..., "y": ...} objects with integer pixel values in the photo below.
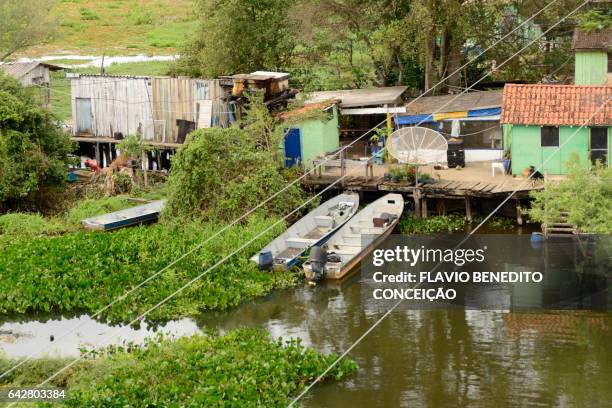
[{"x": 84, "y": 271}]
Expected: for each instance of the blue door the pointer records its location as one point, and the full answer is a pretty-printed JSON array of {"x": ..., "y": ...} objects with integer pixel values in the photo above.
[{"x": 293, "y": 148}]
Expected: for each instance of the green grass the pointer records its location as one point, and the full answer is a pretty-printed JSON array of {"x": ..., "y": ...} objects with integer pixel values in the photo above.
[
  {"x": 243, "y": 368},
  {"x": 122, "y": 27},
  {"x": 171, "y": 35},
  {"x": 87, "y": 14}
]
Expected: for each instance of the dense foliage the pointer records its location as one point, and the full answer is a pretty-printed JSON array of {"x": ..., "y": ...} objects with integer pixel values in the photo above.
[
  {"x": 84, "y": 271},
  {"x": 242, "y": 368},
  {"x": 355, "y": 43},
  {"x": 33, "y": 149},
  {"x": 586, "y": 196},
  {"x": 438, "y": 223},
  {"x": 239, "y": 36},
  {"x": 25, "y": 23},
  {"x": 448, "y": 223},
  {"x": 219, "y": 174}
]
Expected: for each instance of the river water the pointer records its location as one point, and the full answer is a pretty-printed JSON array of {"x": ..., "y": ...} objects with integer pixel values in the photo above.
[{"x": 505, "y": 356}]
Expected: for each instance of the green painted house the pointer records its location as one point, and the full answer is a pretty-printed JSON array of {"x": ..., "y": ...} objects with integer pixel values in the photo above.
[
  {"x": 309, "y": 139},
  {"x": 546, "y": 126}
]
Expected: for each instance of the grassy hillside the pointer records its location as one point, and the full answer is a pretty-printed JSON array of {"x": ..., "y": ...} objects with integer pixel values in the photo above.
[{"x": 119, "y": 27}]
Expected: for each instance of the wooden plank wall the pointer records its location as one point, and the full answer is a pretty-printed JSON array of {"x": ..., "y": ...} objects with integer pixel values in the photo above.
[
  {"x": 131, "y": 105},
  {"x": 119, "y": 104}
]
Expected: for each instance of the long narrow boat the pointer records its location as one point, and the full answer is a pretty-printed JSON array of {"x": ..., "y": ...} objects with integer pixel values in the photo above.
[
  {"x": 357, "y": 238},
  {"x": 124, "y": 218},
  {"x": 314, "y": 229}
]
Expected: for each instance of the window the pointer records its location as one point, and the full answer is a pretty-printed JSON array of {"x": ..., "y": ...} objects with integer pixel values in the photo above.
[
  {"x": 549, "y": 136},
  {"x": 599, "y": 145}
]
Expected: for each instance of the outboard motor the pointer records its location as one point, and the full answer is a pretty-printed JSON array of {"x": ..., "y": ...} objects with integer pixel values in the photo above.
[
  {"x": 265, "y": 260},
  {"x": 318, "y": 258}
]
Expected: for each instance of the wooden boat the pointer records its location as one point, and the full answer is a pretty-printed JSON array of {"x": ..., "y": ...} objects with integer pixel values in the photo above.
[
  {"x": 124, "y": 218},
  {"x": 313, "y": 229},
  {"x": 357, "y": 238}
]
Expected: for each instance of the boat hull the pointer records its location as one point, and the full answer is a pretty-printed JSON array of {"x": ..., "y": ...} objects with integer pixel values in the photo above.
[{"x": 346, "y": 269}]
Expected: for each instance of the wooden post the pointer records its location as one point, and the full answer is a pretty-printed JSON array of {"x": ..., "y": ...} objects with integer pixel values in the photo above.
[
  {"x": 416, "y": 194},
  {"x": 98, "y": 154},
  {"x": 144, "y": 166},
  {"x": 389, "y": 132},
  {"x": 108, "y": 155},
  {"x": 468, "y": 209},
  {"x": 424, "y": 206},
  {"x": 441, "y": 206},
  {"x": 519, "y": 214},
  {"x": 342, "y": 165}
]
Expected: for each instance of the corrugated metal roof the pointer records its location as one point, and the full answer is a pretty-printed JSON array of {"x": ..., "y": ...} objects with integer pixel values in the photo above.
[
  {"x": 19, "y": 69},
  {"x": 361, "y": 97},
  {"x": 575, "y": 105},
  {"x": 455, "y": 103},
  {"x": 598, "y": 40}
]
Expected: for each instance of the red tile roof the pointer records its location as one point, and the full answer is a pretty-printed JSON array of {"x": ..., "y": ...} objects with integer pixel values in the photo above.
[{"x": 557, "y": 105}]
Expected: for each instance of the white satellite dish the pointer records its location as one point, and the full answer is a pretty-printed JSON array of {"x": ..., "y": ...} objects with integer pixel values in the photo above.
[{"x": 417, "y": 145}]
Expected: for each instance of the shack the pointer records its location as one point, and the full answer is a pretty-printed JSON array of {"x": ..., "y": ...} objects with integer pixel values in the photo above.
[
  {"x": 362, "y": 109},
  {"x": 592, "y": 52},
  {"x": 273, "y": 85},
  {"x": 35, "y": 74},
  {"x": 543, "y": 122},
  {"x": 162, "y": 110},
  {"x": 472, "y": 117},
  {"x": 311, "y": 138}
]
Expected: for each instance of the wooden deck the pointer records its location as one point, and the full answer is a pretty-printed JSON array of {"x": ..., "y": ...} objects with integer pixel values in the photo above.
[{"x": 475, "y": 180}]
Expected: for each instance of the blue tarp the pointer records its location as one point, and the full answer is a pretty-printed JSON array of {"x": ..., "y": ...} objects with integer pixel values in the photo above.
[
  {"x": 484, "y": 112},
  {"x": 413, "y": 119}
]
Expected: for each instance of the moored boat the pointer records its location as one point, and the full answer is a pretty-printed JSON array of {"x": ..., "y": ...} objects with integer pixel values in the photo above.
[
  {"x": 313, "y": 229},
  {"x": 357, "y": 238},
  {"x": 124, "y": 218}
]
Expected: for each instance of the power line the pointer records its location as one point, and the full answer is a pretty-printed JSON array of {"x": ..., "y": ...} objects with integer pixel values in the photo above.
[
  {"x": 388, "y": 312},
  {"x": 298, "y": 179}
]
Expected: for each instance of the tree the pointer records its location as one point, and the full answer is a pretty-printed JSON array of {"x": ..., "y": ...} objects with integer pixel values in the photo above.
[
  {"x": 33, "y": 148},
  {"x": 24, "y": 23},
  {"x": 586, "y": 195},
  {"x": 219, "y": 174},
  {"x": 239, "y": 36}
]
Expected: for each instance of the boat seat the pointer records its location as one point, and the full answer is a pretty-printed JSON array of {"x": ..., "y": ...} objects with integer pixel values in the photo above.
[
  {"x": 344, "y": 250},
  {"x": 324, "y": 221},
  {"x": 297, "y": 242},
  {"x": 372, "y": 230},
  {"x": 349, "y": 244}
]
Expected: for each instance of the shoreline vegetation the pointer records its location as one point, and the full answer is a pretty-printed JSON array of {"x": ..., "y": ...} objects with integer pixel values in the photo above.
[{"x": 256, "y": 371}]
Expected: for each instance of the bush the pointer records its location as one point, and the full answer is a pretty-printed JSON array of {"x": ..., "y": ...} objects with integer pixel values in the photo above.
[
  {"x": 219, "y": 174},
  {"x": 19, "y": 224},
  {"x": 586, "y": 195},
  {"x": 33, "y": 148}
]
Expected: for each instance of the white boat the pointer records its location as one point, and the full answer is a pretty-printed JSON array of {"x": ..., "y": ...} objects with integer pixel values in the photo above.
[
  {"x": 357, "y": 238},
  {"x": 313, "y": 229}
]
